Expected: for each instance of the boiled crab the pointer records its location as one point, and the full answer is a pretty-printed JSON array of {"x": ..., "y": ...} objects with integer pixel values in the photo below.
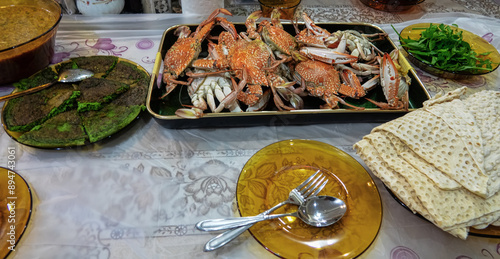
[
  {"x": 280, "y": 41},
  {"x": 251, "y": 61},
  {"x": 205, "y": 92},
  {"x": 248, "y": 67},
  {"x": 188, "y": 47},
  {"x": 323, "y": 81},
  {"x": 391, "y": 82}
]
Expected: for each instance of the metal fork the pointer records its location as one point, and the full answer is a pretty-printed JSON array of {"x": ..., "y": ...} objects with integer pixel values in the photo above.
[{"x": 309, "y": 188}]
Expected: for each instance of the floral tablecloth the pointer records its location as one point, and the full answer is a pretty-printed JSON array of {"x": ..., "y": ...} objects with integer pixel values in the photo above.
[{"x": 139, "y": 193}]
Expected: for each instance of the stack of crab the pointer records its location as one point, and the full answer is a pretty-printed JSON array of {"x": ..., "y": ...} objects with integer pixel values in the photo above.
[{"x": 246, "y": 69}]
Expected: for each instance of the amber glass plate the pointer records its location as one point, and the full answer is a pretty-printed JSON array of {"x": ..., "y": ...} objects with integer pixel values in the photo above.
[
  {"x": 478, "y": 44},
  {"x": 274, "y": 171},
  {"x": 16, "y": 208}
]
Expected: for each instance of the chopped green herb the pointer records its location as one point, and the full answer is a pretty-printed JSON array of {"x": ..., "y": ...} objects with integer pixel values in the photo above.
[{"x": 443, "y": 47}]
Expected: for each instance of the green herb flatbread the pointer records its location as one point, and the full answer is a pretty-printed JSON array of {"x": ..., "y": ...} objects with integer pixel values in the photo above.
[
  {"x": 64, "y": 129},
  {"x": 66, "y": 115}
]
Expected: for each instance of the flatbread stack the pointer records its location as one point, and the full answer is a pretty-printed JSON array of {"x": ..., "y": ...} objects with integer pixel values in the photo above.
[{"x": 443, "y": 160}]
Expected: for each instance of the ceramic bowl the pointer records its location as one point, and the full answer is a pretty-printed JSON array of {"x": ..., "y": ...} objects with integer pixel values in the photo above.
[
  {"x": 391, "y": 5},
  {"x": 22, "y": 59}
]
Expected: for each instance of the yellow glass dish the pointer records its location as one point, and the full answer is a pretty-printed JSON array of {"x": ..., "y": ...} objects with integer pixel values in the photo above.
[
  {"x": 16, "y": 209},
  {"x": 275, "y": 170},
  {"x": 478, "y": 44}
]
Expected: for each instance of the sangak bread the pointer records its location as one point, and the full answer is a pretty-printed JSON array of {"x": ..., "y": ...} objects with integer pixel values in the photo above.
[
  {"x": 433, "y": 140},
  {"x": 485, "y": 108},
  {"x": 442, "y": 160},
  {"x": 372, "y": 150}
]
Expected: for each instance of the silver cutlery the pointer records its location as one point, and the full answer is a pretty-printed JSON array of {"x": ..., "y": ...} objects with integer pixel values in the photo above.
[
  {"x": 309, "y": 188},
  {"x": 317, "y": 211}
]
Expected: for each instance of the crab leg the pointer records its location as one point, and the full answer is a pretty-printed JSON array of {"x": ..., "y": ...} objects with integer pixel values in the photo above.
[
  {"x": 329, "y": 56},
  {"x": 333, "y": 100},
  {"x": 370, "y": 84}
]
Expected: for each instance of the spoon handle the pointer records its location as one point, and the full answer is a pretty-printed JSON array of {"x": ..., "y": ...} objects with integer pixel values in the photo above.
[
  {"x": 25, "y": 92},
  {"x": 229, "y": 235}
]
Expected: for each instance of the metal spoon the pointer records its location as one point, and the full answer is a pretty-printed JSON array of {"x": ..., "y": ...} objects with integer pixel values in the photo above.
[
  {"x": 66, "y": 76},
  {"x": 319, "y": 211}
]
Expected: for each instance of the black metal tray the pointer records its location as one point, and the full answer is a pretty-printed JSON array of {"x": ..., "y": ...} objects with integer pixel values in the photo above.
[{"x": 163, "y": 109}]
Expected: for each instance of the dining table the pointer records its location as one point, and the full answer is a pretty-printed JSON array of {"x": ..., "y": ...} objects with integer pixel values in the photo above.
[{"x": 140, "y": 192}]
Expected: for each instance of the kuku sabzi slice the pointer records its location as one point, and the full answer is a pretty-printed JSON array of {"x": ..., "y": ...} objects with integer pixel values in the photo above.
[
  {"x": 128, "y": 73},
  {"x": 95, "y": 92},
  {"x": 136, "y": 95},
  {"x": 109, "y": 120},
  {"x": 62, "y": 130},
  {"x": 100, "y": 65},
  {"x": 23, "y": 113},
  {"x": 136, "y": 78},
  {"x": 44, "y": 76}
]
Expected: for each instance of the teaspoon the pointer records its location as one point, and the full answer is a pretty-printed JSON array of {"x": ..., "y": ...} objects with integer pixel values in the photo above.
[{"x": 66, "y": 76}]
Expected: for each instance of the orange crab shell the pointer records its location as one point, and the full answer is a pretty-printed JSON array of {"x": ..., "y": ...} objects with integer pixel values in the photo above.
[
  {"x": 278, "y": 38},
  {"x": 318, "y": 74},
  {"x": 175, "y": 61},
  {"x": 252, "y": 56}
]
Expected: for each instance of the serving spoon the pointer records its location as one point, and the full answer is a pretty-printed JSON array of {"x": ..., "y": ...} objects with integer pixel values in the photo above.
[
  {"x": 66, "y": 76},
  {"x": 318, "y": 211}
]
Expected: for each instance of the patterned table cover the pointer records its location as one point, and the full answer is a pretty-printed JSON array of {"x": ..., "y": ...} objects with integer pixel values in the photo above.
[{"x": 139, "y": 194}]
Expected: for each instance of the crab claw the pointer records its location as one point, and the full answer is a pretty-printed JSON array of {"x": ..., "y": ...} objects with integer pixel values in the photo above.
[
  {"x": 389, "y": 79},
  {"x": 313, "y": 28},
  {"x": 212, "y": 16},
  {"x": 328, "y": 56},
  {"x": 354, "y": 88},
  {"x": 193, "y": 113}
]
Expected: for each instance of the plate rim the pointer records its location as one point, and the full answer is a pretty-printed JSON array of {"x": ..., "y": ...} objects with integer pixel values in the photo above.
[
  {"x": 375, "y": 187},
  {"x": 31, "y": 195}
]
